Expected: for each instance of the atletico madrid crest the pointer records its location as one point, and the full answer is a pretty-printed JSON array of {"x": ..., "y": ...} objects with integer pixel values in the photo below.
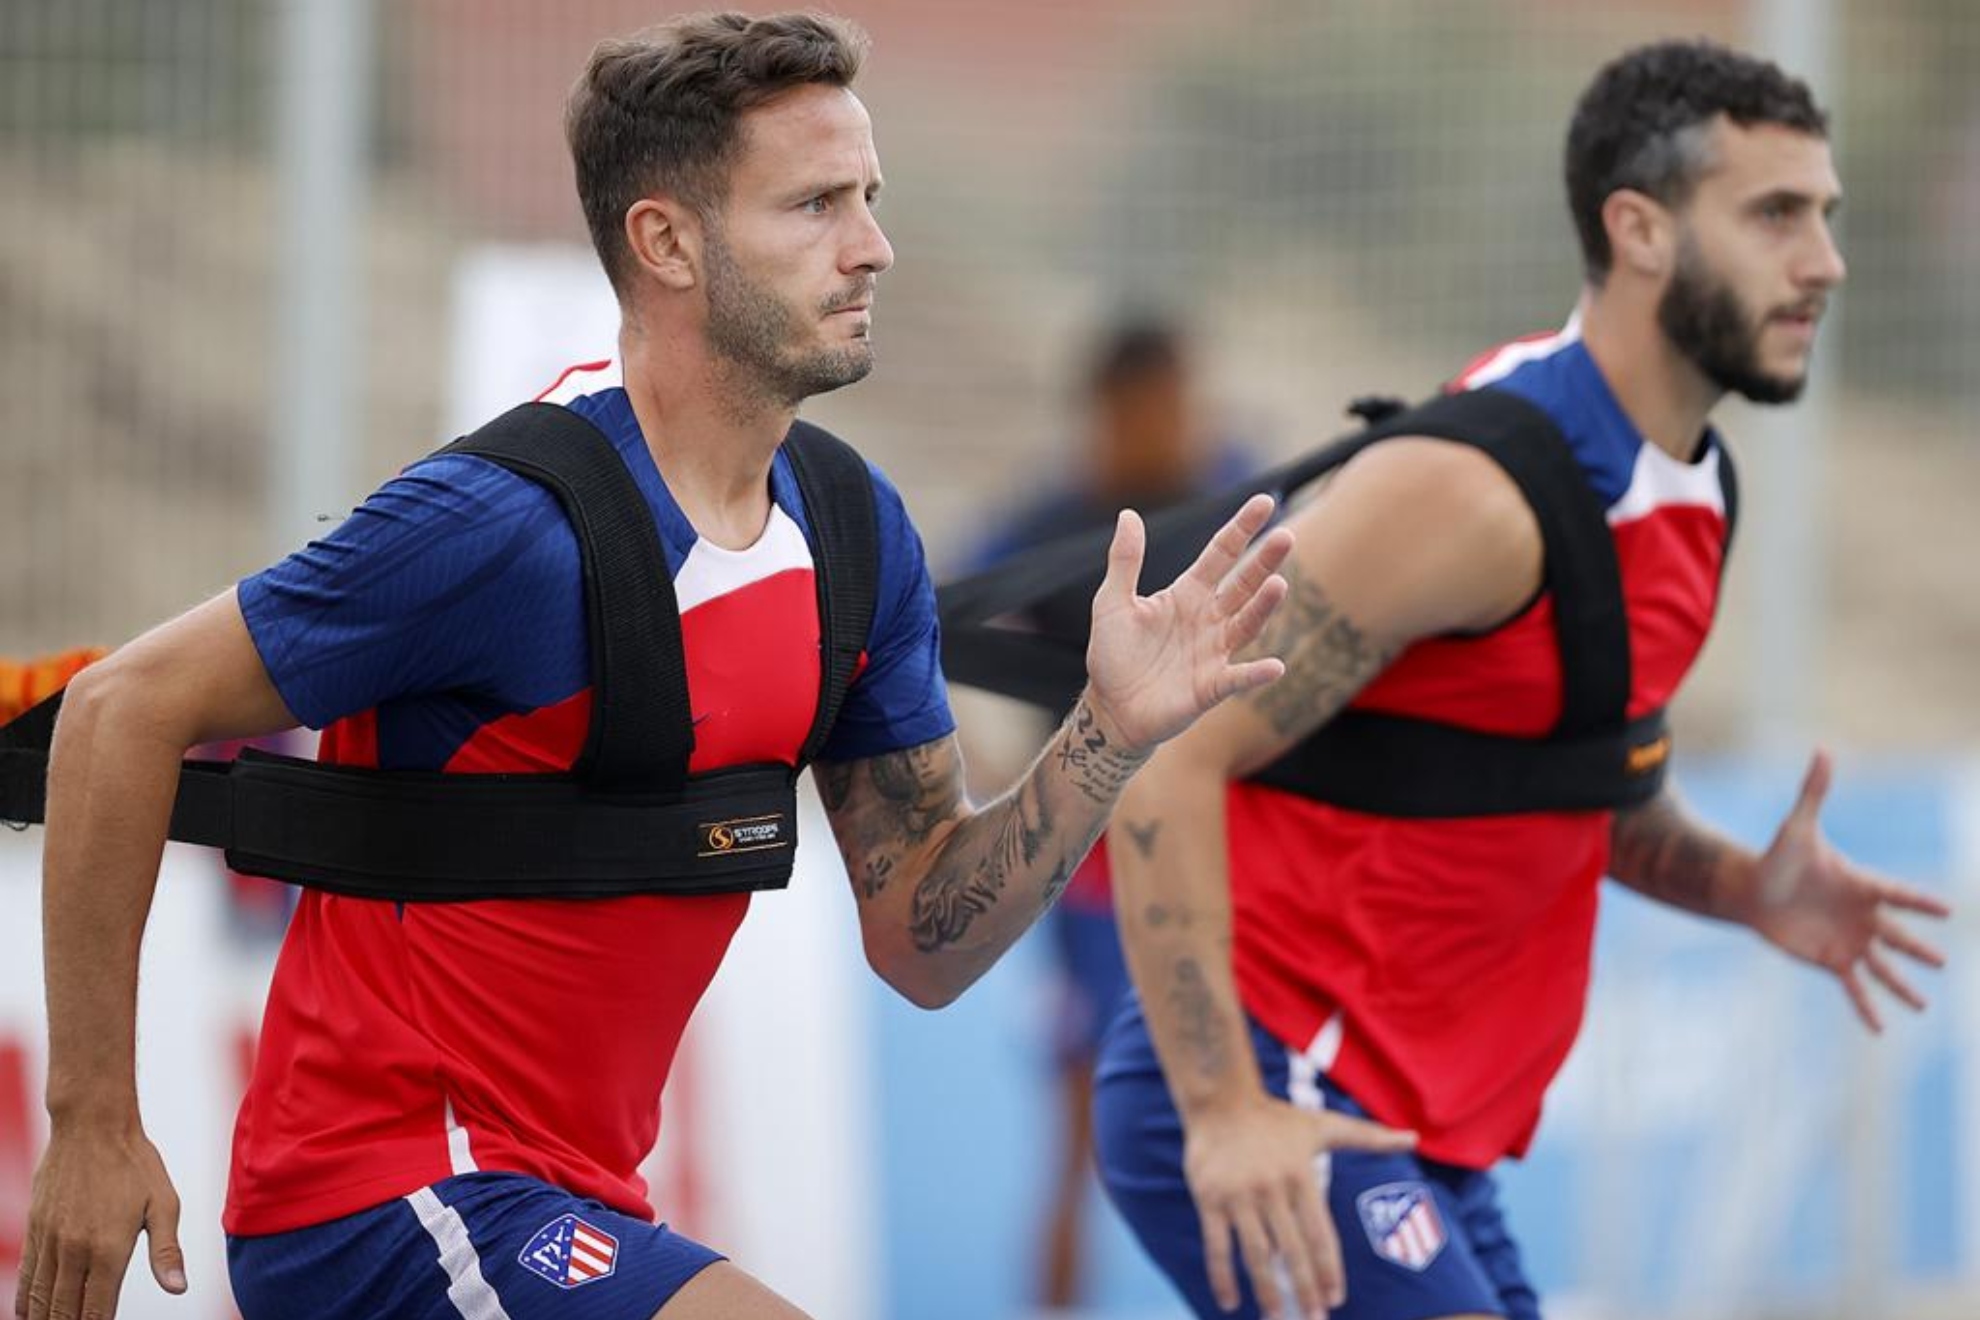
[
  {"x": 569, "y": 1252},
  {"x": 1403, "y": 1224}
]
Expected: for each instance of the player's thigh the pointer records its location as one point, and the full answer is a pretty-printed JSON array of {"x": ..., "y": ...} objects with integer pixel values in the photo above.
[
  {"x": 723, "y": 1292},
  {"x": 1420, "y": 1239},
  {"x": 1404, "y": 1233},
  {"x": 480, "y": 1244}
]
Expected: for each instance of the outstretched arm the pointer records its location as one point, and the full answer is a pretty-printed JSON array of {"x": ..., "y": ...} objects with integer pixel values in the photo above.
[
  {"x": 945, "y": 888},
  {"x": 113, "y": 772},
  {"x": 1802, "y": 895}
]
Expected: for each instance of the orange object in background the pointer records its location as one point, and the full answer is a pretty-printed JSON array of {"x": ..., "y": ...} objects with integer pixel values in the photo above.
[{"x": 24, "y": 683}]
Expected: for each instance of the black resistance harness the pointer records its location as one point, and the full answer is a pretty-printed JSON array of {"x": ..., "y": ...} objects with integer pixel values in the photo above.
[
  {"x": 1595, "y": 757},
  {"x": 628, "y": 818}
]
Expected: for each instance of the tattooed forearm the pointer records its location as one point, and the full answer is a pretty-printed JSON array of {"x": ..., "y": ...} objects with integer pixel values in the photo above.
[
  {"x": 945, "y": 889},
  {"x": 1142, "y": 835},
  {"x": 1328, "y": 659},
  {"x": 1199, "y": 1025},
  {"x": 1657, "y": 850},
  {"x": 1023, "y": 834},
  {"x": 1056, "y": 883},
  {"x": 1161, "y": 916},
  {"x": 1096, "y": 765},
  {"x": 960, "y": 889},
  {"x": 947, "y": 903}
]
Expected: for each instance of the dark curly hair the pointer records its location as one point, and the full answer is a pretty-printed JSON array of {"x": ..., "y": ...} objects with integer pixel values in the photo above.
[
  {"x": 1644, "y": 124},
  {"x": 661, "y": 110}
]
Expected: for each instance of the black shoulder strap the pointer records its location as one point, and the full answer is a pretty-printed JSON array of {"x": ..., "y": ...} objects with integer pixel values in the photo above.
[
  {"x": 839, "y": 505},
  {"x": 1593, "y": 757},
  {"x": 628, "y": 821},
  {"x": 989, "y": 631},
  {"x": 642, "y": 731},
  {"x": 993, "y": 631},
  {"x": 1729, "y": 495},
  {"x": 1580, "y": 570}
]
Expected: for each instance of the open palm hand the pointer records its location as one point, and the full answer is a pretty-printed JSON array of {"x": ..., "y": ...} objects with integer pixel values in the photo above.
[
  {"x": 1156, "y": 663},
  {"x": 1813, "y": 903}
]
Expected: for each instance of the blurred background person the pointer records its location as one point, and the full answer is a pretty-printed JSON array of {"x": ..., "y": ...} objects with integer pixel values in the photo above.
[{"x": 1144, "y": 442}]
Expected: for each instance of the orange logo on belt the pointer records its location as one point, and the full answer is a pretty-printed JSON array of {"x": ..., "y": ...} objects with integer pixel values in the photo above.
[
  {"x": 745, "y": 834},
  {"x": 1642, "y": 760}
]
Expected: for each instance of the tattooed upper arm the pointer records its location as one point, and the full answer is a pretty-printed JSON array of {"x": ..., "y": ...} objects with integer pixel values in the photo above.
[
  {"x": 1328, "y": 655},
  {"x": 1412, "y": 538},
  {"x": 888, "y": 810}
]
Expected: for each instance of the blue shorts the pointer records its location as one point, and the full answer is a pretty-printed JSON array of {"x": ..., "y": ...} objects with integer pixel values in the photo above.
[
  {"x": 1086, "y": 948},
  {"x": 487, "y": 1246},
  {"x": 1418, "y": 1239}
]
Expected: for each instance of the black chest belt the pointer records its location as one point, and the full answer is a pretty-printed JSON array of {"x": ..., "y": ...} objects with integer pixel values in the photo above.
[
  {"x": 996, "y": 635},
  {"x": 628, "y": 818}
]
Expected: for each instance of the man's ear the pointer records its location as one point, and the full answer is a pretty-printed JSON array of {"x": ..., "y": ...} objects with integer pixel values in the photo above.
[
  {"x": 665, "y": 238},
  {"x": 1643, "y": 234}
]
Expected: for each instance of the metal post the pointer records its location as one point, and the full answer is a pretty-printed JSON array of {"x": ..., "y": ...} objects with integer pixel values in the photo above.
[
  {"x": 1802, "y": 36},
  {"x": 322, "y": 77},
  {"x": 1791, "y": 445}
]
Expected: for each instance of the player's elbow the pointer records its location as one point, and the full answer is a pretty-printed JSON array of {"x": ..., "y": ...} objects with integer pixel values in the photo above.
[
  {"x": 922, "y": 980},
  {"x": 112, "y": 694},
  {"x": 139, "y": 696},
  {"x": 925, "y": 995}
]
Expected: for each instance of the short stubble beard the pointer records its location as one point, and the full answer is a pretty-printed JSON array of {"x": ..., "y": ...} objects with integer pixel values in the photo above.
[{"x": 757, "y": 332}]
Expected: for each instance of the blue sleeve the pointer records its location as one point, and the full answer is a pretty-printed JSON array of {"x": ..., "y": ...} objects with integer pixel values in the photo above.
[
  {"x": 900, "y": 699},
  {"x": 454, "y": 576}
]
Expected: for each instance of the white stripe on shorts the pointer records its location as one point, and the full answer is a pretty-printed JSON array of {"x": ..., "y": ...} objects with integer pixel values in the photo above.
[
  {"x": 1303, "y": 1069},
  {"x": 466, "y": 1288},
  {"x": 1303, "y": 1072}
]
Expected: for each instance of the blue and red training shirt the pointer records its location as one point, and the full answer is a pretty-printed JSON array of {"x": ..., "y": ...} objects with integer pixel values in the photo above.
[{"x": 442, "y": 628}]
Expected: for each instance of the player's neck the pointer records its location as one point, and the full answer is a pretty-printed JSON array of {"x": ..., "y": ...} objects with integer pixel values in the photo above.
[
  {"x": 712, "y": 442},
  {"x": 1663, "y": 393}
]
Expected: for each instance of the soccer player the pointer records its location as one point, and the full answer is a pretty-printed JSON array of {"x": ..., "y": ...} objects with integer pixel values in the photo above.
[
  {"x": 1299, "y": 962},
  {"x": 450, "y": 1101}
]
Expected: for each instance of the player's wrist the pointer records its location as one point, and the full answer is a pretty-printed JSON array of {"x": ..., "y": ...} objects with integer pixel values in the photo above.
[
  {"x": 93, "y": 1110},
  {"x": 1738, "y": 890},
  {"x": 1102, "y": 735},
  {"x": 1214, "y": 1102}
]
